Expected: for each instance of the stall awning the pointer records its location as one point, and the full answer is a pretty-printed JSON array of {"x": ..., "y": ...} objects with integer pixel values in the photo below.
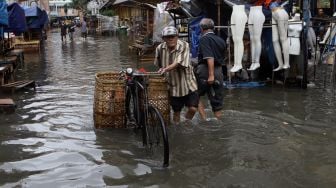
[
  {"x": 35, "y": 17},
  {"x": 16, "y": 19},
  {"x": 38, "y": 22},
  {"x": 32, "y": 11},
  {"x": 3, "y": 13}
]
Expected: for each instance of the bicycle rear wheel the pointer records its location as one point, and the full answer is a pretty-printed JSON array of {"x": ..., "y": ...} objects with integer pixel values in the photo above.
[{"x": 157, "y": 137}]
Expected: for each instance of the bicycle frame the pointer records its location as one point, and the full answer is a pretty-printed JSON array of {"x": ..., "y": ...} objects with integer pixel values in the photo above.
[
  {"x": 147, "y": 117},
  {"x": 136, "y": 83}
]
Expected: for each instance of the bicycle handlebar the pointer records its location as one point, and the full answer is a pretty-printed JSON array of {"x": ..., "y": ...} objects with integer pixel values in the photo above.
[
  {"x": 131, "y": 72},
  {"x": 147, "y": 74}
]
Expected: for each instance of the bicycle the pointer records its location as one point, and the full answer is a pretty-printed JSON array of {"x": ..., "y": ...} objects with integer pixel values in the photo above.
[{"x": 145, "y": 116}]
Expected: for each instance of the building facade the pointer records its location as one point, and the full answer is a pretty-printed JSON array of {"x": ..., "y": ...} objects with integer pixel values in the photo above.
[{"x": 60, "y": 8}]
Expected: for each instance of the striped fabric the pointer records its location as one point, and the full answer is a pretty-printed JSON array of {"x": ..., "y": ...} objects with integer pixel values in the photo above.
[{"x": 182, "y": 79}]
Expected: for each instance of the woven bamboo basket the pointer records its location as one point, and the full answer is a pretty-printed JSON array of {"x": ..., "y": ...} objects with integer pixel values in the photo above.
[
  {"x": 109, "y": 101},
  {"x": 158, "y": 96}
]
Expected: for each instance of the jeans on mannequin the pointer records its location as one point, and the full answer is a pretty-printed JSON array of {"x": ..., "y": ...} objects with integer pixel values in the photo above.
[
  {"x": 238, "y": 21},
  {"x": 256, "y": 21},
  {"x": 279, "y": 35}
]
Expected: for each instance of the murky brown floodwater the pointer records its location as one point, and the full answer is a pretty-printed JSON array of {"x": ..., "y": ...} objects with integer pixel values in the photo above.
[{"x": 269, "y": 137}]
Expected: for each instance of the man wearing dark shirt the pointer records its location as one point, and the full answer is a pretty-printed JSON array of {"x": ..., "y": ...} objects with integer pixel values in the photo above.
[
  {"x": 63, "y": 31},
  {"x": 209, "y": 69}
]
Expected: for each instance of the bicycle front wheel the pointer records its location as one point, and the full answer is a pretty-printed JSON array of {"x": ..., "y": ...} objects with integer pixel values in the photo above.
[
  {"x": 131, "y": 105},
  {"x": 157, "y": 137}
]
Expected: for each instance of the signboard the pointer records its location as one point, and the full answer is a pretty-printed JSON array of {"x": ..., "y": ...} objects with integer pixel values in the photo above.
[{"x": 323, "y": 3}]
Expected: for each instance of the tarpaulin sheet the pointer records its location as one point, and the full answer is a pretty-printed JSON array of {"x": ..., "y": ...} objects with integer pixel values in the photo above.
[
  {"x": 32, "y": 11},
  {"x": 16, "y": 19},
  {"x": 3, "y": 13},
  {"x": 195, "y": 34},
  {"x": 38, "y": 21}
]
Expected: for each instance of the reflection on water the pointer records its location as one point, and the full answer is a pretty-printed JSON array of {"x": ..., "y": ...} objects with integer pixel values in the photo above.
[{"x": 268, "y": 137}]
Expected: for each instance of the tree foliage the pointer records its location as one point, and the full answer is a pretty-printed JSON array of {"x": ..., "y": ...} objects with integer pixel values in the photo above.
[
  {"x": 107, "y": 12},
  {"x": 80, "y": 5}
]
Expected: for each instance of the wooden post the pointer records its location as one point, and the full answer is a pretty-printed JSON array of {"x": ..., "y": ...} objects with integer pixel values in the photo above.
[
  {"x": 147, "y": 12},
  {"x": 218, "y": 15},
  {"x": 305, "y": 6}
]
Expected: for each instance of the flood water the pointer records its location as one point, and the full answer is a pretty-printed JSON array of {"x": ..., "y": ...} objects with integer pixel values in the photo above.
[{"x": 268, "y": 137}]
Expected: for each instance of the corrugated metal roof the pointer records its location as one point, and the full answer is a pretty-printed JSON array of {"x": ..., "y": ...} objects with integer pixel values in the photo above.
[
  {"x": 117, "y": 2},
  {"x": 122, "y": 1}
]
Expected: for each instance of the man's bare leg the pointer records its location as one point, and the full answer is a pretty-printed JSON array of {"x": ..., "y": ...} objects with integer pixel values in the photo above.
[
  {"x": 201, "y": 110},
  {"x": 190, "y": 113},
  {"x": 176, "y": 117},
  {"x": 218, "y": 114}
]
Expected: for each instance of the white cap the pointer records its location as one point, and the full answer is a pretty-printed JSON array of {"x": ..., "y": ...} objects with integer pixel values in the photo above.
[{"x": 169, "y": 31}]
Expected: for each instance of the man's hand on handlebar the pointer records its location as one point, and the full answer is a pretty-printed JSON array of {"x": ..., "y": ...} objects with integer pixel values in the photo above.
[{"x": 161, "y": 70}]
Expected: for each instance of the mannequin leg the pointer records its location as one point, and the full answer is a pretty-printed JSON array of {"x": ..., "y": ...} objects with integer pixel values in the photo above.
[
  {"x": 276, "y": 44},
  {"x": 282, "y": 29},
  {"x": 258, "y": 27},
  {"x": 235, "y": 51},
  {"x": 326, "y": 36},
  {"x": 238, "y": 29},
  {"x": 255, "y": 37},
  {"x": 311, "y": 37},
  {"x": 252, "y": 42}
]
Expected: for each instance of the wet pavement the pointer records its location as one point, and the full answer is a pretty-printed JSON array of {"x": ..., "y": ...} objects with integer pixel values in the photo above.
[{"x": 268, "y": 136}]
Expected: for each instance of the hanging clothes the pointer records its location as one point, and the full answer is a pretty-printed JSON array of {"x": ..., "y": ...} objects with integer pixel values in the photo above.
[
  {"x": 16, "y": 19},
  {"x": 264, "y": 3}
]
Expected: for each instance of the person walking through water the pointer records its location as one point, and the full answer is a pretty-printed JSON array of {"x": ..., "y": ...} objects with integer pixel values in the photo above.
[
  {"x": 84, "y": 29},
  {"x": 63, "y": 31},
  {"x": 173, "y": 59},
  {"x": 72, "y": 29},
  {"x": 209, "y": 69}
]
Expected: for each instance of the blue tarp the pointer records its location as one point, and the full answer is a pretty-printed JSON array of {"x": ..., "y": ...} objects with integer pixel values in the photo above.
[
  {"x": 35, "y": 17},
  {"x": 16, "y": 19},
  {"x": 3, "y": 13},
  {"x": 195, "y": 34},
  {"x": 32, "y": 11}
]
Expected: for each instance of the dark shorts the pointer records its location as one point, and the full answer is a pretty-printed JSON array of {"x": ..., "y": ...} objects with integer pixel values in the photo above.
[
  {"x": 84, "y": 34},
  {"x": 214, "y": 92},
  {"x": 190, "y": 100}
]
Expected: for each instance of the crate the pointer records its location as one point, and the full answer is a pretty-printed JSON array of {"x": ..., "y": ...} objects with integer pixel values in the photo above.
[
  {"x": 109, "y": 101},
  {"x": 158, "y": 96}
]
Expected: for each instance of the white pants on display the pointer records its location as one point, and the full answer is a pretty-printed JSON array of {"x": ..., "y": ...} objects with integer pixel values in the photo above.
[
  {"x": 279, "y": 35},
  {"x": 238, "y": 21},
  {"x": 294, "y": 33},
  {"x": 311, "y": 40},
  {"x": 255, "y": 24}
]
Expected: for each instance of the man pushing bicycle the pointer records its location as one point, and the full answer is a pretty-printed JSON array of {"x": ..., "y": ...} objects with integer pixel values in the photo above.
[{"x": 173, "y": 59}]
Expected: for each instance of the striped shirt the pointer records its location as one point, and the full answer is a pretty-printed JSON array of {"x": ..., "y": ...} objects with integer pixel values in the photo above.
[{"x": 181, "y": 80}]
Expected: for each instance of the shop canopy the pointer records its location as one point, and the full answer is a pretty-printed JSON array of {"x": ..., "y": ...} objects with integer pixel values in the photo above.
[
  {"x": 33, "y": 11},
  {"x": 35, "y": 17},
  {"x": 16, "y": 19},
  {"x": 3, "y": 13}
]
